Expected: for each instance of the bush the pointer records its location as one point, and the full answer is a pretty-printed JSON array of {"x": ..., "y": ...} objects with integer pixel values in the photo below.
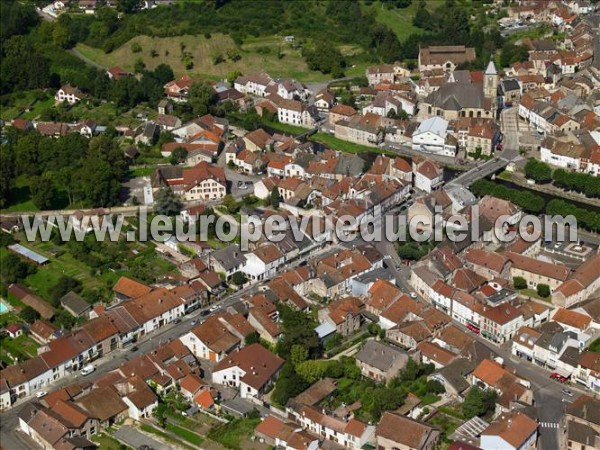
[
  {"x": 543, "y": 290},
  {"x": 136, "y": 47},
  {"x": 519, "y": 283}
]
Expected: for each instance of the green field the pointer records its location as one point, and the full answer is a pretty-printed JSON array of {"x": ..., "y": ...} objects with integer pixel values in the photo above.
[
  {"x": 257, "y": 54},
  {"x": 345, "y": 146},
  {"x": 25, "y": 104},
  {"x": 399, "y": 20},
  {"x": 21, "y": 197}
]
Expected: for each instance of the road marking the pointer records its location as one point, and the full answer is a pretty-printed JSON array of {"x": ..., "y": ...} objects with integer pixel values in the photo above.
[{"x": 549, "y": 425}]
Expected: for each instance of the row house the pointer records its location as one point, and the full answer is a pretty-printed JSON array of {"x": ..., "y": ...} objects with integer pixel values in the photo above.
[
  {"x": 263, "y": 262},
  {"x": 364, "y": 130},
  {"x": 386, "y": 103},
  {"x": 587, "y": 372},
  {"x": 536, "y": 271},
  {"x": 582, "y": 283},
  {"x": 390, "y": 73},
  {"x": 511, "y": 389},
  {"x": 254, "y": 84},
  {"x": 351, "y": 434},
  {"x": 294, "y": 112},
  {"x": 217, "y": 336},
  {"x": 545, "y": 117},
  {"x": 344, "y": 314}
]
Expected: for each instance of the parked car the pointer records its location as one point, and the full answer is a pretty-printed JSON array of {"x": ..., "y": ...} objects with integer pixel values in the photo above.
[
  {"x": 88, "y": 369},
  {"x": 214, "y": 308},
  {"x": 41, "y": 394},
  {"x": 567, "y": 392}
]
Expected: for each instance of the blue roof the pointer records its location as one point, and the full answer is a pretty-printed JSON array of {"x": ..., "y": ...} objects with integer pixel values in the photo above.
[
  {"x": 27, "y": 253},
  {"x": 325, "y": 329}
]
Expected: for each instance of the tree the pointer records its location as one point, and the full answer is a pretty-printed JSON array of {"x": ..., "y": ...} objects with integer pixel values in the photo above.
[
  {"x": 232, "y": 76},
  {"x": 479, "y": 402},
  {"x": 129, "y": 6},
  {"x": 160, "y": 414},
  {"x": 15, "y": 269},
  {"x": 435, "y": 387},
  {"x": 252, "y": 338},
  {"x": 538, "y": 171},
  {"x": 422, "y": 17},
  {"x": 298, "y": 355},
  {"x": 64, "y": 285},
  {"x": 43, "y": 192},
  {"x": 178, "y": 155},
  {"x": 230, "y": 203},
  {"x": 298, "y": 329},
  {"x": 201, "y": 97},
  {"x": 275, "y": 198},
  {"x": 29, "y": 315},
  {"x": 519, "y": 283},
  {"x": 289, "y": 384},
  {"x": 239, "y": 279},
  {"x": 166, "y": 203},
  {"x": 543, "y": 290}
]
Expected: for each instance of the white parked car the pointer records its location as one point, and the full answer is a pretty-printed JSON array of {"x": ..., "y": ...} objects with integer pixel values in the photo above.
[
  {"x": 413, "y": 295},
  {"x": 88, "y": 369},
  {"x": 214, "y": 308},
  {"x": 41, "y": 394}
]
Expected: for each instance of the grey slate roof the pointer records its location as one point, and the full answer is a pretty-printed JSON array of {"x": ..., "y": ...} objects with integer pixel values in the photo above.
[
  {"x": 454, "y": 96},
  {"x": 229, "y": 257},
  {"x": 75, "y": 303},
  {"x": 380, "y": 356}
]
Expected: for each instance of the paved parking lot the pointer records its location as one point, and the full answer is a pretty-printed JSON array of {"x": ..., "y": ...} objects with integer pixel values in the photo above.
[{"x": 136, "y": 438}]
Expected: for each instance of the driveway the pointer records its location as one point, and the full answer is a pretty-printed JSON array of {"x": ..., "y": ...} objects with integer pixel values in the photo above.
[{"x": 135, "y": 438}]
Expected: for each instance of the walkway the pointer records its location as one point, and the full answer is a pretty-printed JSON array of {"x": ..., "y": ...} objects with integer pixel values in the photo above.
[{"x": 85, "y": 59}]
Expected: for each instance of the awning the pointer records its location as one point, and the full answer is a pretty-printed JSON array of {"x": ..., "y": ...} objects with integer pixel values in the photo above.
[{"x": 563, "y": 372}]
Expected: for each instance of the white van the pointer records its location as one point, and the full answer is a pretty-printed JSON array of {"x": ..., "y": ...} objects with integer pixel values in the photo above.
[{"x": 87, "y": 369}]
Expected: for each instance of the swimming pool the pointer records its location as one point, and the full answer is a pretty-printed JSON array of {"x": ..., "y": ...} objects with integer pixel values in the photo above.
[{"x": 3, "y": 308}]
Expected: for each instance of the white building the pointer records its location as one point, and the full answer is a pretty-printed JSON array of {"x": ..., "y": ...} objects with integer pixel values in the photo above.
[
  {"x": 251, "y": 370},
  {"x": 432, "y": 137}
]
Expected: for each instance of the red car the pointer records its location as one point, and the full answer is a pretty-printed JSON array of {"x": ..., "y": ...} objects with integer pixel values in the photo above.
[
  {"x": 499, "y": 147},
  {"x": 558, "y": 377}
]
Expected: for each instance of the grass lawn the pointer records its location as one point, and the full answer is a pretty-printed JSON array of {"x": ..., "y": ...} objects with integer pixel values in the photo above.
[
  {"x": 344, "y": 146},
  {"x": 15, "y": 105},
  {"x": 232, "y": 434},
  {"x": 257, "y": 54},
  {"x": 428, "y": 399},
  {"x": 21, "y": 197},
  {"x": 65, "y": 264},
  {"x": 285, "y": 128},
  {"x": 399, "y": 20},
  {"x": 533, "y": 293},
  {"x": 165, "y": 436},
  {"x": 37, "y": 108},
  {"x": 185, "y": 434},
  {"x": 108, "y": 443},
  {"x": 141, "y": 172},
  {"x": 22, "y": 347}
]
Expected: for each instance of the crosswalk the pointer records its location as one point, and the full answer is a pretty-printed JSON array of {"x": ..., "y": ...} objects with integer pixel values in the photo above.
[{"x": 549, "y": 425}]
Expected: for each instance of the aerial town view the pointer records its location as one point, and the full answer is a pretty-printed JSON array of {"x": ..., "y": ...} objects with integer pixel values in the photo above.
[{"x": 300, "y": 224}]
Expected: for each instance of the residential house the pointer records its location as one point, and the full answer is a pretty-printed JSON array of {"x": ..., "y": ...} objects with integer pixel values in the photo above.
[
  {"x": 251, "y": 370},
  {"x": 344, "y": 314},
  {"x": 510, "y": 431},
  {"x": 380, "y": 362},
  {"x": 428, "y": 175},
  {"x": 178, "y": 90},
  {"x": 227, "y": 260},
  {"x": 397, "y": 432},
  {"x": 263, "y": 262},
  {"x": 432, "y": 137},
  {"x": 69, "y": 94}
]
